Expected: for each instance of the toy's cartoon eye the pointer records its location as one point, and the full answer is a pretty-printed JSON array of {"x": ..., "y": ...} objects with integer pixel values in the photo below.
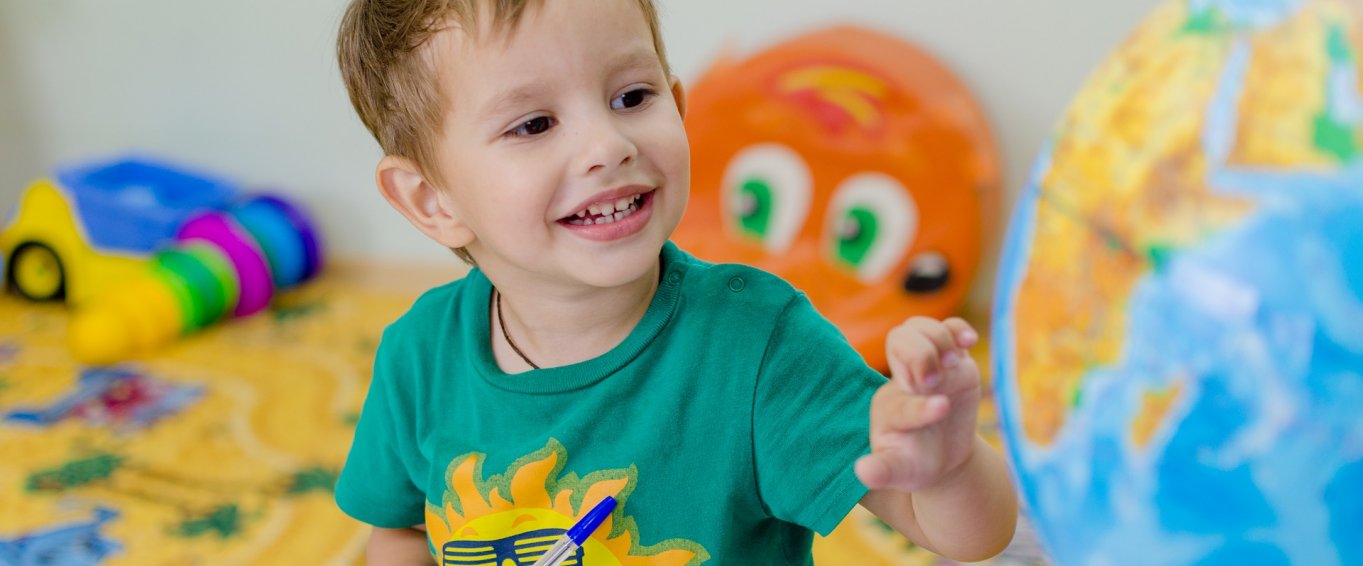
[
  {"x": 871, "y": 222},
  {"x": 928, "y": 272},
  {"x": 766, "y": 194}
]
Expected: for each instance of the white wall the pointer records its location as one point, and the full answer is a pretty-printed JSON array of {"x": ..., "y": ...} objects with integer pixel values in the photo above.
[{"x": 250, "y": 88}]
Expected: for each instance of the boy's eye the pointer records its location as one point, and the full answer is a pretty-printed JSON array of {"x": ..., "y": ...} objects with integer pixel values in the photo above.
[
  {"x": 533, "y": 127},
  {"x": 631, "y": 99}
]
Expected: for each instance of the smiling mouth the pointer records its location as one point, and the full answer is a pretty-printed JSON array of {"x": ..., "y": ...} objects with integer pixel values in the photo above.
[{"x": 608, "y": 212}]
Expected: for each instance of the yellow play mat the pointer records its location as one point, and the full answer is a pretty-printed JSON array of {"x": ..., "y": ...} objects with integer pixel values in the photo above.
[{"x": 222, "y": 449}]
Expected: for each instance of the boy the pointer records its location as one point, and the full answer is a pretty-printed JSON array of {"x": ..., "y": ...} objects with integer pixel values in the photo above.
[{"x": 585, "y": 356}]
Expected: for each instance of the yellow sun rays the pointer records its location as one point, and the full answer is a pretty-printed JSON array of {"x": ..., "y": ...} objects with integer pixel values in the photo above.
[{"x": 474, "y": 508}]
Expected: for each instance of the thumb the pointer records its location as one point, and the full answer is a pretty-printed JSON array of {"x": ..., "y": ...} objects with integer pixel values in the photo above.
[
  {"x": 873, "y": 471},
  {"x": 891, "y": 469}
]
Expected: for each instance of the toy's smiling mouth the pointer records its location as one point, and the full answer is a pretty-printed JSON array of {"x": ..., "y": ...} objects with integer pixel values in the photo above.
[{"x": 610, "y": 211}]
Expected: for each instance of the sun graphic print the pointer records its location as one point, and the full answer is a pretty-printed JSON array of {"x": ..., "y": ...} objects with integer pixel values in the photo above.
[{"x": 513, "y": 518}]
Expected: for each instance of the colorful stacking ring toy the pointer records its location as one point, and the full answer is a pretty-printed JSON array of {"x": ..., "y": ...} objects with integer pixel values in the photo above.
[
  {"x": 252, "y": 269},
  {"x": 222, "y": 262}
]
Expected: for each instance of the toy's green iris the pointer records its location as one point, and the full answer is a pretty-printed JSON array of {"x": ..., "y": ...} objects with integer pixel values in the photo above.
[
  {"x": 856, "y": 235},
  {"x": 754, "y": 207}
]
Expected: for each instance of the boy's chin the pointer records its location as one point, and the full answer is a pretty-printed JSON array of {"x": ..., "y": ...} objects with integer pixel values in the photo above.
[
  {"x": 618, "y": 273},
  {"x": 620, "y": 268}
]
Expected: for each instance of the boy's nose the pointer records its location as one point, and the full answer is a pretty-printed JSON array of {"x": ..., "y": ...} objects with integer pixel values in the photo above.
[{"x": 606, "y": 146}]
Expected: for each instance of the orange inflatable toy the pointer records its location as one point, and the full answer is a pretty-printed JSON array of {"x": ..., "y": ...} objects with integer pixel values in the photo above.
[{"x": 853, "y": 165}]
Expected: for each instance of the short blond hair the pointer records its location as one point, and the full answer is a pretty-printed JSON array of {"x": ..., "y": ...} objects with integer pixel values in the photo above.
[{"x": 394, "y": 87}]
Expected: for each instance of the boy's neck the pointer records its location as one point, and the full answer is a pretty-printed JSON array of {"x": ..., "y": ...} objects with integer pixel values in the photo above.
[{"x": 559, "y": 327}]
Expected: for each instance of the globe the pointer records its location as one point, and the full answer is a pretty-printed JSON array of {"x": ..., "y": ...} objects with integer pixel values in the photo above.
[{"x": 1178, "y": 323}]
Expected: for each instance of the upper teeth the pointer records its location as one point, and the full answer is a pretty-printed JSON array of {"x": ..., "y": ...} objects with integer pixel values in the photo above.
[
  {"x": 608, "y": 208},
  {"x": 608, "y": 211}
]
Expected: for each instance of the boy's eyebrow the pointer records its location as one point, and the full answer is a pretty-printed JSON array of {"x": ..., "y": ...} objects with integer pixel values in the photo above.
[
  {"x": 518, "y": 95},
  {"x": 512, "y": 98},
  {"x": 636, "y": 59}
]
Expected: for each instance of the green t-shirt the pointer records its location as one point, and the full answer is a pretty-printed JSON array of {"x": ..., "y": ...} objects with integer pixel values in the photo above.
[{"x": 726, "y": 426}]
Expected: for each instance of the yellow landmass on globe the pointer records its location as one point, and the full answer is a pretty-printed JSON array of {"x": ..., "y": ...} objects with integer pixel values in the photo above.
[
  {"x": 1127, "y": 182},
  {"x": 1154, "y": 406},
  {"x": 1279, "y": 116}
]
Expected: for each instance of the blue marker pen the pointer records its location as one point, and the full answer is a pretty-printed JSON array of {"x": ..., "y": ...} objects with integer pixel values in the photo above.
[{"x": 573, "y": 539}]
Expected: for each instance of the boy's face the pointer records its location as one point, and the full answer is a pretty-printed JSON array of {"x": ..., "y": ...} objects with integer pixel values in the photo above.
[{"x": 551, "y": 127}]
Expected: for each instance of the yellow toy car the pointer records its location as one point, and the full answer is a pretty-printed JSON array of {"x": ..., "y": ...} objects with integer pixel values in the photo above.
[{"x": 120, "y": 240}]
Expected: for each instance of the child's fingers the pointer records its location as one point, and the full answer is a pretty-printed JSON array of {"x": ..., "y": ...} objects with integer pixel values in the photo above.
[
  {"x": 893, "y": 410},
  {"x": 913, "y": 359},
  {"x": 926, "y": 348},
  {"x": 936, "y": 331},
  {"x": 964, "y": 333}
]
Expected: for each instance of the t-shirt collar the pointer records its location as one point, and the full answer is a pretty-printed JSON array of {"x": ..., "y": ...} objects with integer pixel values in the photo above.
[{"x": 477, "y": 339}]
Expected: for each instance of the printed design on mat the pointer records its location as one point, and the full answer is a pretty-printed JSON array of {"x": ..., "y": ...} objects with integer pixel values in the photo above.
[
  {"x": 511, "y": 519},
  {"x": 118, "y": 397},
  {"x": 79, "y": 542}
]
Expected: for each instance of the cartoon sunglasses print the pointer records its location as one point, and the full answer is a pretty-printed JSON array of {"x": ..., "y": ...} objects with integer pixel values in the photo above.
[{"x": 521, "y": 549}]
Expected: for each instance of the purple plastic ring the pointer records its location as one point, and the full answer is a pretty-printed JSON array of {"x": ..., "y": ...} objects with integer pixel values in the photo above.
[{"x": 253, "y": 273}]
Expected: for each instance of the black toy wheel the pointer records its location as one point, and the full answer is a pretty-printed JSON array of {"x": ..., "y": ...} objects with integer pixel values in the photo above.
[{"x": 36, "y": 273}]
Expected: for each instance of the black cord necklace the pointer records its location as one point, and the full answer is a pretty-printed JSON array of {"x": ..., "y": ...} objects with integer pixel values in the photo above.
[{"x": 501, "y": 321}]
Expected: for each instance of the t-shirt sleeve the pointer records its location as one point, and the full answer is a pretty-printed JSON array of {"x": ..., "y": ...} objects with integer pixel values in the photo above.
[
  {"x": 376, "y": 485},
  {"x": 811, "y": 420}
]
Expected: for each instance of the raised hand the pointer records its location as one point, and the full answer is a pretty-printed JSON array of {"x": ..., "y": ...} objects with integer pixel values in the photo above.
[{"x": 923, "y": 419}]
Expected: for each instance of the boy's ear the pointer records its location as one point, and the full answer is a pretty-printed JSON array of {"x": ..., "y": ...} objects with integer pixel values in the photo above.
[
  {"x": 425, "y": 206},
  {"x": 678, "y": 95}
]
